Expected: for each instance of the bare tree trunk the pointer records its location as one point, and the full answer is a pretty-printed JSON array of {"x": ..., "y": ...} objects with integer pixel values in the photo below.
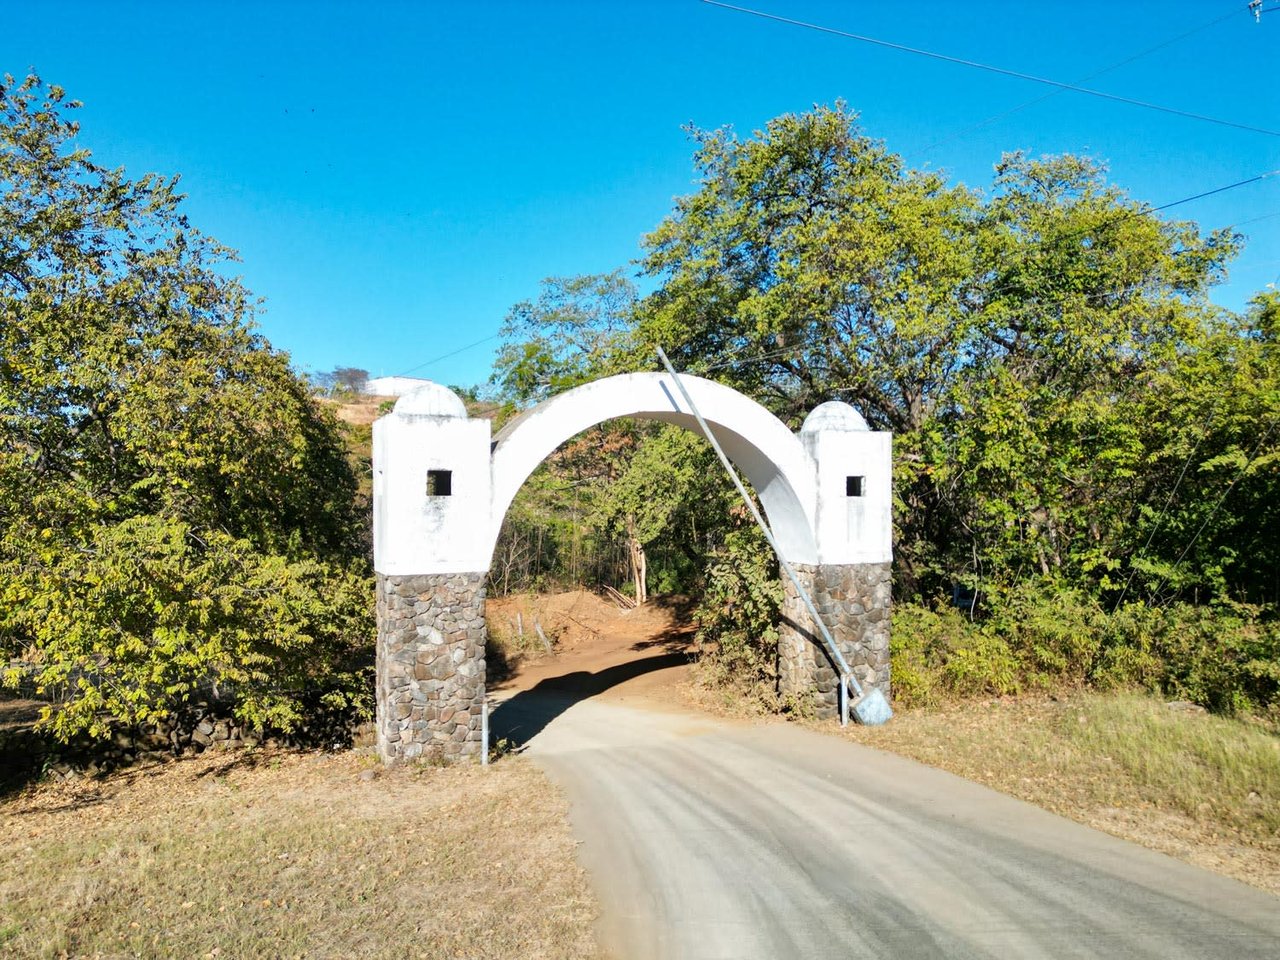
[{"x": 639, "y": 564}]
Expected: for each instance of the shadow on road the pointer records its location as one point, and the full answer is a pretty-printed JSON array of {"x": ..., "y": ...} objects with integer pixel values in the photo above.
[{"x": 527, "y": 714}]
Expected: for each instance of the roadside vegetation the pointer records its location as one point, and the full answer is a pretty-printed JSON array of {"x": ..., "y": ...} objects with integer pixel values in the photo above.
[
  {"x": 1086, "y": 471},
  {"x": 283, "y": 854},
  {"x": 1086, "y": 454},
  {"x": 179, "y": 519},
  {"x": 1086, "y": 465},
  {"x": 1224, "y": 656}
]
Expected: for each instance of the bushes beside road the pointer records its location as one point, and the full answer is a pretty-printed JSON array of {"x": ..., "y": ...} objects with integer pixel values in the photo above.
[{"x": 1041, "y": 637}]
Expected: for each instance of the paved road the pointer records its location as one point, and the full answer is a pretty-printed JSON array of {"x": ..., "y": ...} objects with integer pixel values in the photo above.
[{"x": 712, "y": 839}]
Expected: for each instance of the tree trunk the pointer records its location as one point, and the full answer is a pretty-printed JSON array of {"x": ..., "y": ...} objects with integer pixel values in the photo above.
[{"x": 639, "y": 564}]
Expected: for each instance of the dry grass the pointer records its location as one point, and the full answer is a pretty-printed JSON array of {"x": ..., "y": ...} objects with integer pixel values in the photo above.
[
  {"x": 358, "y": 410},
  {"x": 1202, "y": 788},
  {"x": 295, "y": 855}
]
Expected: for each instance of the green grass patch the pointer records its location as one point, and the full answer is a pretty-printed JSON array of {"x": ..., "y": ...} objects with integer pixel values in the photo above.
[
  {"x": 1208, "y": 767},
  {"x": 1194, "y": 785}
]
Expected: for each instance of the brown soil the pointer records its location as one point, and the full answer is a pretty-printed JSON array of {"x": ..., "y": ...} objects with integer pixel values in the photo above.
[
  {"x": 599, "y": 648},
  {"x": 362, "y": 410}
]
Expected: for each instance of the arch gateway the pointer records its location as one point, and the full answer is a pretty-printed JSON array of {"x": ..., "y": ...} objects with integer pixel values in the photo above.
[{"x": 442, "y": 485}]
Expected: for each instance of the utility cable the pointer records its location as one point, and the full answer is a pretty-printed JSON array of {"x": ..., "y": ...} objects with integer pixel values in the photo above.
[
  {"x": 453, "y": 353},
  {"x": 991, "y": 68},
  {"x": 1243, "y": 223},
  {"x": 1061, "y": 86},
  {"x": 1097, "y": 73},
  {"x": 1207, "y": 193}
]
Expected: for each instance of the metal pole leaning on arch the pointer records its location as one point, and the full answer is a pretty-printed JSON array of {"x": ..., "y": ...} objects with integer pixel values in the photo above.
[{"x": 872, "y": 708}]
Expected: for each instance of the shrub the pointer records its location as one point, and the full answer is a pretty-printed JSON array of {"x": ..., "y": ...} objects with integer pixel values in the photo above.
[
  {"x": 1225, "y": 657},
  {"x": 985, "y": 664},
  {"x": 149, "y": 613},
  {"x": 176, "y": 510},
  {"x": 920, "y": 642},
  {"x": 1050, "y": 629},
  {"x": 738, "y": 615}
]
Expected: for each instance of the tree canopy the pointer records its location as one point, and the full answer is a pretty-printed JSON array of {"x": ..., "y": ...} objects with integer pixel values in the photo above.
[
  {"x": 573, "y": 332},
  {"x": 162, "y": 469},
  {"x": 1075, "y": 423},
  {"x": 1010, "y": 339}
]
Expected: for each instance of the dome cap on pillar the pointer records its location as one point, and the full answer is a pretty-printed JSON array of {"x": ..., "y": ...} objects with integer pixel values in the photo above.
[
  {"x": 431, "y": 400},
  {"x": 834, "y": 415}
]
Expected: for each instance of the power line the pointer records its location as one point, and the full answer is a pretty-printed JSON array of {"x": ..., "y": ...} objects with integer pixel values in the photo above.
[
  {"x": 1097, "y": 73},
  {"x": 1210, "y": 193},
  {"x": 990, "y": 68},
  {"x": 446, "y": 356},
  {"x": 1265, "y": 216}
]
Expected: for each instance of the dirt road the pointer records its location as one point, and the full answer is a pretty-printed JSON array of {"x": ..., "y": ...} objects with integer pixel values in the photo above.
[{"x": 712, "y": 838}]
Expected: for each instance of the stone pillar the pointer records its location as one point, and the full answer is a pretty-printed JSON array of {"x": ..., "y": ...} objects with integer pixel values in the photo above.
[
  {"x": 430, "y": 685},
  {"x": 854, "y": 600}
]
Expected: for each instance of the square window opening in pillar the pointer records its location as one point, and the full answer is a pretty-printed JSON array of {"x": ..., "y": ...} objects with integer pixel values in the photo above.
[
  {"x": 439, "y": 483},
  {"x": 855, "y": 486}
]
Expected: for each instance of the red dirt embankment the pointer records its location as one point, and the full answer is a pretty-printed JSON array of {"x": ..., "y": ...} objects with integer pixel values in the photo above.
[{"x": 591, "y": 636}]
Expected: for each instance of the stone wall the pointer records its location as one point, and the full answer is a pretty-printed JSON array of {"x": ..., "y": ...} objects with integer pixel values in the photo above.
[
  {"x": 854, "y": 602},
  {"x": 431, "y": 670}
]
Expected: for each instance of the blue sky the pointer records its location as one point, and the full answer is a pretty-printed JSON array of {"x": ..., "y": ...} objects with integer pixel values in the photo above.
[{"x": 396, "y": 175}]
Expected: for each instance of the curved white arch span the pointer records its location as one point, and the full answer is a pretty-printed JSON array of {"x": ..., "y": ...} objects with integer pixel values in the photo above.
[
  {"x": 441, "y": 485},
  {"x": 769, "y": 455}
]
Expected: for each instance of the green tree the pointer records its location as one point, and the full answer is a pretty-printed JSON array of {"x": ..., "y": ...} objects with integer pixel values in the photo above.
[
  {"x": 1090, "y": 311},
  {"x": 572, "y": 333},
  {"x": 821, "y": 266},
  {"x": 1005, "y": 339},
  {"x": 1208, "y": 521},
  {"x": 671, "y": 493},
  {"x": 161, "y": 468},
  {"x": 1076, "y": 425}
]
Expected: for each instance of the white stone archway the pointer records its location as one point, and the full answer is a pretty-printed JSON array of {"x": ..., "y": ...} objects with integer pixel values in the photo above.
[{"x": 442, "y": 486}]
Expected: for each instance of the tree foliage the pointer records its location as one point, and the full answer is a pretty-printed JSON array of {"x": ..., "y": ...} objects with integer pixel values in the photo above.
[
  {"x": 570, "y": 334},
  {"x": 162, "y": 470},
  {"x": 1077, "y": 427},
  {"x": 1027, "y": 346},
  {"x": 820, "y": 265}
]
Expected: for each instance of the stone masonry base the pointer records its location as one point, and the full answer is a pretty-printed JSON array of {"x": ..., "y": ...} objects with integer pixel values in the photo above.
[
  {"x": 431, "y": 670},
  {"x": 431, "y": 652},
  {"x": 853, "y": 600}
]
